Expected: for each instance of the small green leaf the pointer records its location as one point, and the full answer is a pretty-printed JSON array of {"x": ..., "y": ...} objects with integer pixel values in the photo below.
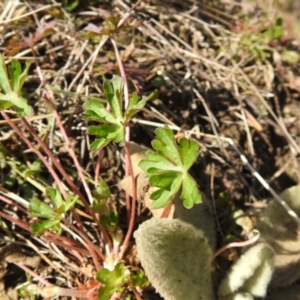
[
  {"x": 164, "y": 180},
  {"x": 99, "y": 143},
  {"x": 155, "y": 162},
  {"x": 40, "y": 227},
  {"x": 40, "y": 209},
  {"x": 114, "y": 94},
  {"x": 4, "y": 104},
  {"x": 165, "y": 144},
  {"x": 112, "y": 22},
  {"x": 22, "y": 77},
  {"x": 34, "y": 169},
  {"x": 290, "y": 56},
  {"x": 95, "y": 110},
  {"x": 110, "y": 222},
  {"x": 72, "y": 5},
  {"x": 14, "y": 73},
  {"x": 134, "y": 106},
  {"x": 190, "y": 192},
  {"x": 110, "y": 131},
  {"x": 158, "y": 81},
  {"x": 188, "y": 151},
  {"x": 276, "y": 30},
  {"x": 112, "y": 123},
  {"x": 4, "y": 79},
  {"x": 54, "y": 196},
  {"x": 70, "y": 202},
  {"x": 113, "y": 280},
  {"x": 11, "y": 83},
  {"x": 138, "y": 279},
  {"x": 102, "y": 190}
]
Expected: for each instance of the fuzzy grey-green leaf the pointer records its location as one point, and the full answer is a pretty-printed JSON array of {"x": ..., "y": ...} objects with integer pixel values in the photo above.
[{"x": 176, "y": 258}]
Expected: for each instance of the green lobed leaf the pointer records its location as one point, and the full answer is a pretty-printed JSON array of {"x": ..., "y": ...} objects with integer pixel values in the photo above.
[
  {"x": 188, "y": 151},
  {"x": 114, "y": 93},
  {"x": 190, "y": 193},
  {"x": 162, "y": 197},
  {"x": 134, "y": 106},
  {"x": 165, "y": 144},
  {"x": 168, "y": 169},
  {"x": 164, "y": 180},
  {"x": 109, "y": 131},
  {"x": 112, "y": 123},
  {"x": 95, "y": 110},
  {"x": 99, "y": 143},
  {"x": 157, "y": 161},
  {"x": 11, "y": 82}
]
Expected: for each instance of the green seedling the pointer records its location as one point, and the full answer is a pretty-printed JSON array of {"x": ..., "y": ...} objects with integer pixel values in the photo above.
[
  {"x": 70, "y": 5},
  {"x": 102, "y": 190},
  {"x": 53, "y": 212},
  {"x": 118, "y": 279},
  {"x": 261, "y": 41},
  {"x": 112, "y": 123},
  {"x": 112, "y": 26},
  {"x": 12, "y": 79},
  {"x": 3, "y": 157},
  {"x": 168, "y": 168}
]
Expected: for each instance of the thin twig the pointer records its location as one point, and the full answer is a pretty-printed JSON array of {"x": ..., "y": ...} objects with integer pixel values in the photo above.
[{"x": 239, "y": 244}]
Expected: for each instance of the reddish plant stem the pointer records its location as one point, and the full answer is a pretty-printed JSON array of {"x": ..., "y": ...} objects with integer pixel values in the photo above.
[
  {"x": 93, "y": 248},
  {"x": 51, "y": 290},
  {"x": 106, "y": 237},
  {"x": 16, "y": 221},
  {"x": 238, "y": 244},
  {"x": 88, "y": 241},
  {"x": 37, "y": 152},
  {"x": 127, "y": 132},
  {"x": 64, "y": 243},
  {"x": 11, "y": 202},
  {"x": 132, "y": 216},
  {"x": 69, "y": 181},
  {"x": 49, "y": 153},
  {"x": 167, "y": 210},
  {"x": 98, "y": 165},
  {"x": 136, "y": 294},
  {"x": 33, "y": 274},
  {"x": 51, "y": 170},
  {"x": 128, "y": 168}
]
